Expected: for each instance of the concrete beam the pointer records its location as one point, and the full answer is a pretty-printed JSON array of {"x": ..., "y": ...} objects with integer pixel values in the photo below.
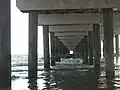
[
  {"x": 72, "y": 44},
  {"x": 71, "y": 34},
  {"x": 80, "y": 28},
  {"x": 25, "y": 5},
  {"x": 71, "y": 39},
  {"x": 67, "y": 38},
  {"x": 69, "y": 19},
  {"x": 74, "y": 19},
  {"x": 69, "y": 42},
  {"x": 71, "y": 48},
  {"x": 71, "y": 28},
  {"x": 75, "y": 37}
]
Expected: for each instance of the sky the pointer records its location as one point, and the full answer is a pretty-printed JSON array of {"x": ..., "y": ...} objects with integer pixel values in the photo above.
[{"x": 19, "y": 32}]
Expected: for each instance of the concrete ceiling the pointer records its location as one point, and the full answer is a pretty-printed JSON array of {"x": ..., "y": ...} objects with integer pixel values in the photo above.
[
  {"x": 75, "y": 19},
  {"x": 46, "y": 5},
  {"x": 79, "y": 28},
  {"x": 70, "y": 43},
  {"x": 67, "y": 38},
  {"x": 80, "y": 14},
  {"x": 71, "y": 34}
]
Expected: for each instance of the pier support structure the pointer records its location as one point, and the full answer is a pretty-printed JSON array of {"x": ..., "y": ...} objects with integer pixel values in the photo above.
[
  {"x": 52, "y": 38},
  {"x": 5, "y": 45},
  {"x": 90, "y": 37},
  {"x": 97, "y": 47},
  {"x": 56, "y": 48},
  {"x": 117, "y": 46},
  {"x": 59, "y": 51},
  {"x": 103, "y": 48},
  {"x": 32, "y": 52},
  {"x": 46, "y": 47},
  {"x": 60, "y": 48},
  {"x": 108, "y": 42},
  {"x": 85, "y": 49},
  {"x": 82, "y": 49},
  {"x": 64, "y": 50}
]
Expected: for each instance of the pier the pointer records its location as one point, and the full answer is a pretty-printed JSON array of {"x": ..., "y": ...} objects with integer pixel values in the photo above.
[{"x": 79, "y": 26}]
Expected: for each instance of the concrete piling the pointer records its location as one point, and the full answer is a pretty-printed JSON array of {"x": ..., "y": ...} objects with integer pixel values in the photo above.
[
  {"x": 56, "y": 48},
  {"x": 52, "y": 48},
  {"x": 32, "y": 51},
  {"x": 108, "y": 42},
  {"x": 96, "y": 47},
  {"x": 117, "y": 47},
  {"x": 46, "y": 47},
  {"x": 90, "y": 37},
  {"x": 85, "y": 49},
  {"x": 5, "y": 45}
]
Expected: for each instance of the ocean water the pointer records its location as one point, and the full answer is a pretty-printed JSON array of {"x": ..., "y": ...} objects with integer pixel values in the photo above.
[{"x": 69, "y": 74}]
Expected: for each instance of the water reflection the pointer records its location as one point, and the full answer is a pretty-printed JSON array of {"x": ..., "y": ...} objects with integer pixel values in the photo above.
[
  {"x": 33, "y": 84},
  {"x": 76, "y": 80},
  {"x": 71, "y": 79}
]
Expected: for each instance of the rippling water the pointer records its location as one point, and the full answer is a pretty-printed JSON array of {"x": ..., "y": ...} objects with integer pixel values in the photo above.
[{"x": 69, "y": 74}]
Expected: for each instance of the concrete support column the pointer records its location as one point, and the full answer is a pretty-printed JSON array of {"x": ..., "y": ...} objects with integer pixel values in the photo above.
[
  {"x": 91, "y": 47},
  {"x": 5, "y": 45},
  {"x": 32, "y": 51},
  {"x": 56, "y": 48},
  {"x": 97, "y": 47},
  {"x": 52, "y": 35},
  {"x": 86, "y": 49},
  {"x": 117, "y": 47},
  {"x": 64, "y": 49},
  {"x": 46, "y": 47},
  {"x": 108, "y": 42},
  {"x": 82, "y": 49},
  {"x": 59, "y": 50},
  {"x": 103, "y": 49}
]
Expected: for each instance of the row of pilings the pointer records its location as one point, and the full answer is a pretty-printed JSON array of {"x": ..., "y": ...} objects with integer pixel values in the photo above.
[
  {"x": 89, "y": 46},
  {"x": 94, "y": 50}
]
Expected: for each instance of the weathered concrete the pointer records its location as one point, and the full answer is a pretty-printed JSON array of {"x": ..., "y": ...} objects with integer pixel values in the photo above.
[
  {"x": 96, "y": 47},
  {"x": 59, "y": 51},
  {"x": 75, "y": 41},
  {"x": 90, "y": 37},
  {"x": 82, "y": 48},
  {"x": 65, "y": 4},
  {"x": 76, "y": 19},
  {"x": 70, "y": 28},
  {"x": 69, "y": 19},
  {"x": 60, "y": 48},
  {"x": 71, "y": 34},
  {"x": 103, "y": 48},
  {"x": 85, "y": 49},
  {"x": 52, "y": 38},
  {"x": 108, "y": 42},
  {"x": 56, "y": 48},
  {"x": 67, "y": 38},
  {"x": 117, "y": 46},
  {"x": 32, "y": 52},
  {"x": 70, "y": 41},
  {"x": 64, "y": 49},
  {"x": 5, "y": 45},
  {"x": 46, "y": 47}
]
